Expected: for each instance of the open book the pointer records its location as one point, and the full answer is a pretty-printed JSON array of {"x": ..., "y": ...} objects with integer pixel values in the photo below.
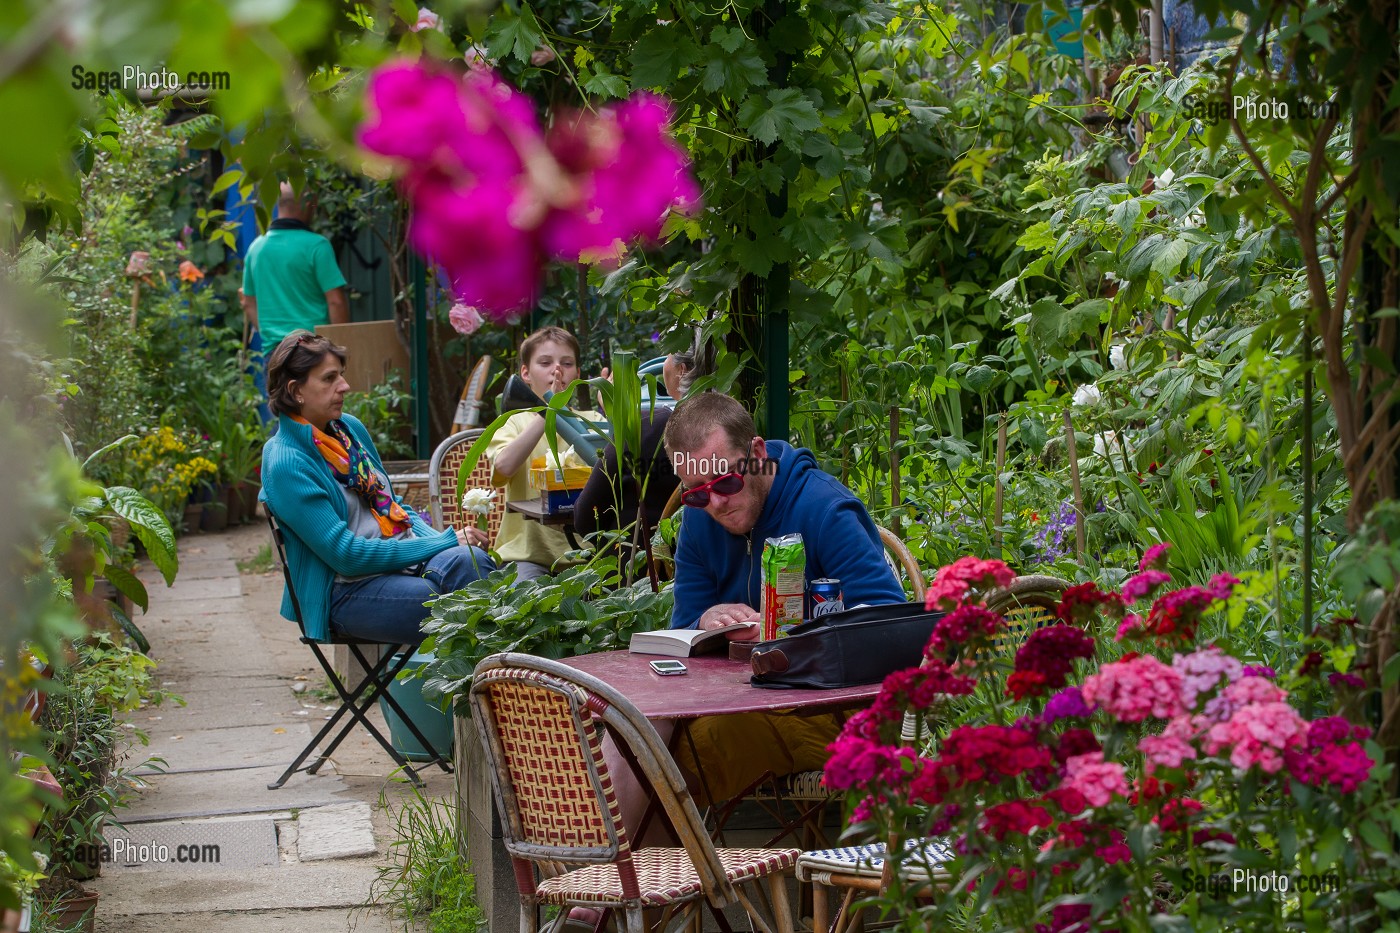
[{"x": 682, "y": 642}]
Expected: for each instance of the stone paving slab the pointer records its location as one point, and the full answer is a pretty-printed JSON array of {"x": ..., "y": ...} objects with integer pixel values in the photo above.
[
  {"x": 178, "y": 896},
  {"x": 336, "y": 832},
  {"x": 194, "y": 795},
  {"x": 271, "y": 705},
  {"x": 237, "y": 747},
  {"x": 332, "y": 920},
  {"x": 188, "y": 589},
  {"x": 192, "y": 845}
]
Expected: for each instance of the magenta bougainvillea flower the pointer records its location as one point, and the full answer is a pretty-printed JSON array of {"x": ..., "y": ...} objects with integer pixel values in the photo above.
[{"x": 494, "y": 197}]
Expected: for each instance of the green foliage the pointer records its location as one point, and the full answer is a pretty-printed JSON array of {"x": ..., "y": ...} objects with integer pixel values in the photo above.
[
  {"x": 578, "y": 610},
  {"x": 86, "y": 743},
  {"x": 427, "y": 881},
  {"x": 384, "y": 409}
]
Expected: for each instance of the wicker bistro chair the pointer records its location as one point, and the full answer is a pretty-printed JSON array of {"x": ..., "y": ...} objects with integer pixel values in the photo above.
[
  {"x": 468, "y": 413},
  {"x": 542, "y": 725},
  {"x": 1027, "y": 603},
  {"x": 902, "y": 562},
  {"x": 355, "y": 701},
  {"x": 445, "y": 499}
]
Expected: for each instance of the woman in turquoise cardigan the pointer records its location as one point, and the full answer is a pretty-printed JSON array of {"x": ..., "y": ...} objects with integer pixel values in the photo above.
[{"x": 362, "y": 565}]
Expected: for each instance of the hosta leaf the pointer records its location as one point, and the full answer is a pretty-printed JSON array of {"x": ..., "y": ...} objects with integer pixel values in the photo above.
[{"x": 149, "y": 525}]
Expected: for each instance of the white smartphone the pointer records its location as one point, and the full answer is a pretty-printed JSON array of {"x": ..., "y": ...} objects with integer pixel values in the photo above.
[{"x": 668, "y": 668}]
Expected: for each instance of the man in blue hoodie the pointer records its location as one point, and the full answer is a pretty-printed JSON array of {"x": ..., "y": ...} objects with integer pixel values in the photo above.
[{"x": 739, "y": 490}]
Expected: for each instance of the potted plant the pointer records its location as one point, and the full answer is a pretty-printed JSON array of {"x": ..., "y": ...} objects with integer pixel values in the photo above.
[{"x": 87, "y": 742}]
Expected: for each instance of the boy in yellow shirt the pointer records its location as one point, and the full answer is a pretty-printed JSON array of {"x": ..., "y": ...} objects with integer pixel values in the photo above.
[{"x": 548, "y": 363}]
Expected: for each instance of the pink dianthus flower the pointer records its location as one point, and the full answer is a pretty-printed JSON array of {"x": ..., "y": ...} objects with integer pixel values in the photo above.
[
  {"x": 1258, "y": 734},
  {"x": 1144, "y": 584},
  {"x": 1171, "y": 748},
  {"x": 1155, "y": 558},
  {"x": 1135, "y": 689},
  {"x": 1203, "y": 670},
  {"x": 952, "y": 583},
  {"x": 1096, "y": 779}
]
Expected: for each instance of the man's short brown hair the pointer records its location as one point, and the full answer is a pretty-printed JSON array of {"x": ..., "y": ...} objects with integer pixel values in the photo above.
[
  {"x": 696, "y": 418},
  {"x": 530, "y": 344},
  {"x": 295, "y": 357}
]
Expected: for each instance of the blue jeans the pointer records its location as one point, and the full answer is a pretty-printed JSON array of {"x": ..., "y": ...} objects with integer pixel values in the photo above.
[{"x": 389, "y": 608}]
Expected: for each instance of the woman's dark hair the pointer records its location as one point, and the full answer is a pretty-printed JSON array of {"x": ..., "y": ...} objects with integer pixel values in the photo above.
[
  {"x": 697, "y": 362},
  {"x": 295, "y": 357}
]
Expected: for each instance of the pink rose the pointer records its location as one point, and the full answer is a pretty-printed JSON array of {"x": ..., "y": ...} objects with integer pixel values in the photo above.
[
  {"x": 427, "y": 19},
  {"x": 465, "y": 319}
]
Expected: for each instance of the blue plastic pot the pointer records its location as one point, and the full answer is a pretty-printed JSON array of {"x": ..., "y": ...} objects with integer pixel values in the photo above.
[{"x": 435, "y": 725}]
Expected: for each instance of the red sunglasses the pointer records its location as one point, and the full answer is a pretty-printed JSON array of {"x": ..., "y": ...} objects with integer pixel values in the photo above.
[{"x": 726, "y": 485}]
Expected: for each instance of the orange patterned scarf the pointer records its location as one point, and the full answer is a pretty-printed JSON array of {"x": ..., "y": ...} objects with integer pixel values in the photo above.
[{"x": 353, "y": 467}]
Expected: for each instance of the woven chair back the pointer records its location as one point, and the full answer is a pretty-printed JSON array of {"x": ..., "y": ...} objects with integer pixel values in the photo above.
[
  {"x": 445, "y": 499},
  {"x": 1027, "y": 604},
  {"x": 542, "y": 722},
  {"x": 551, "y": 757}
]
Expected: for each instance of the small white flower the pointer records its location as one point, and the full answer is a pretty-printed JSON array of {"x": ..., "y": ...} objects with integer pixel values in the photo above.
[
  {"x": 1105, "y": 442},
  {"x": 1087, "y": 396},
  {"x": 1116, "y": 357},
  {"x": 478, "y": 501},
  {"x": 1165, "y": 178}
]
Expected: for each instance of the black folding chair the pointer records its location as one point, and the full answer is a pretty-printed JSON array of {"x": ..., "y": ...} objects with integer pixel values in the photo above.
[{"x": 375, "y": 685}]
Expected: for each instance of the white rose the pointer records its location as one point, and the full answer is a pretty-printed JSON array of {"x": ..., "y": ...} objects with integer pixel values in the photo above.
[
  {"x": 1087, "y": 396},
  {"x": 478, "y": 501},
  {"x": 1116, "y": 357}
]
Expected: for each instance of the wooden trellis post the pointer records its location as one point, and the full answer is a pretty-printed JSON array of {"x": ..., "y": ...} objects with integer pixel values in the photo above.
[
  {"x": 894, "y": 469},
  {"x": 1001, "y": 463}
]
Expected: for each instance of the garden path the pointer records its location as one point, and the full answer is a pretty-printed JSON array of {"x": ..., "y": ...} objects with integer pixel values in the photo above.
[{"x": 299, "y": 858}]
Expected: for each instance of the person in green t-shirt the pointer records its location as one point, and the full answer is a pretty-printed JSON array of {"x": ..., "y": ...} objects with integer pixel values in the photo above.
[{"x": 291, "y": 280}]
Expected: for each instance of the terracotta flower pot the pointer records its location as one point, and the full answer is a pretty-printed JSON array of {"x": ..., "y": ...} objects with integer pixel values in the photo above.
[
  {"x": 194, "y": 513},
  {"x": 75, "y": 911},
  {"x": 215, "y": 516},
  {"x": 248, "y": 492},
  {"x": 233, "y": 502}
]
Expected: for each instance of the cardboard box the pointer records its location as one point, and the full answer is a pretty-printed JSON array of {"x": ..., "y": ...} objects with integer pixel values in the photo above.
[
  {"x": 547, "y": 480},
  {"x": 374, "y": 350}
]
